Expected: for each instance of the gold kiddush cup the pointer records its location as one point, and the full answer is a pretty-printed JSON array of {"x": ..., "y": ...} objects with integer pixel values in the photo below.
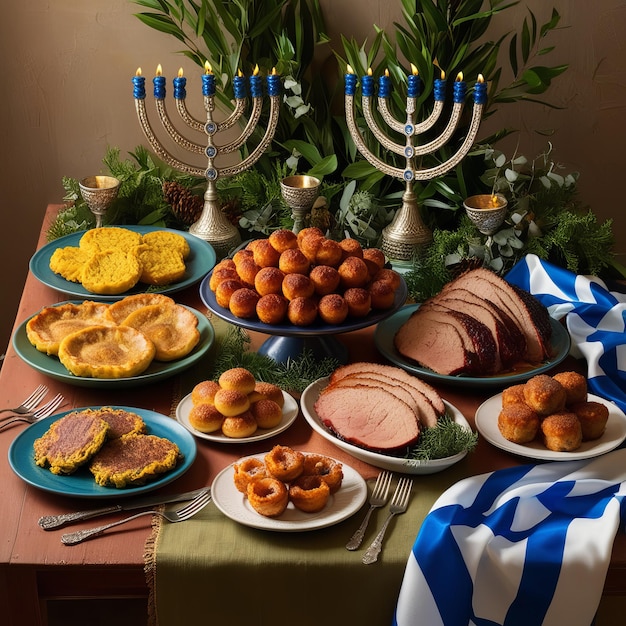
[
  {"x": 487, "y": 211},
  {"x": 300, "y": 193},
  {"x": 99, "y": 192}
]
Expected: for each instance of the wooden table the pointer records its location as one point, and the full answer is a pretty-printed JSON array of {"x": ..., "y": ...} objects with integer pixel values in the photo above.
[{"x": 36, "y": 568}]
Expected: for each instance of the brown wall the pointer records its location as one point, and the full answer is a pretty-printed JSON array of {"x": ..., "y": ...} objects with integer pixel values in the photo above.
[{"x": 67, "y": 95}]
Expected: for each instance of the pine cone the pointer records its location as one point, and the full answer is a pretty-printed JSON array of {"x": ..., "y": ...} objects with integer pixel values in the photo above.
[{"x": 186, "y": 206}]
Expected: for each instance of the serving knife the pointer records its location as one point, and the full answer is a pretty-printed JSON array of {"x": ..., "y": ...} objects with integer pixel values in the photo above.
[{"x": 49, "y": 522}]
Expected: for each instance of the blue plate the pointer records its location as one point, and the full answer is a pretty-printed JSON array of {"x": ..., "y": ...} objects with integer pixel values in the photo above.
[
  {"x": 82, "y": 484},
  {"x": 387, "y": 329},
  {"x": 51, "y": 366},
  {"x": 200, "y": 261}
]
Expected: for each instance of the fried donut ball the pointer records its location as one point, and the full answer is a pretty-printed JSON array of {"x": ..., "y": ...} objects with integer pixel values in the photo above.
[
  {"x": 518, "y": 423},
  {"x": 237, "y": 378},
  {"x": 205, "y": 418},
  {"x": 329, "y": 252},
  {"x": 329, "y": 470},
  {"x": 325, "y": 279},
  {"x": 383, "y": 294},
  {"x": 310, "y": 230},
  {"x": 359, "y": 301},
  {"x": 351, "y": 247},
  {"x": 243, "y": 303},
  {"x": 283, "y": 239},
  {"x": 309, "y": 493},
  {"x": 247, "y": 270},
  {"x": 333, "y": 309},
  {"x": 221, "y": 274},
  {"x": 544, "y": 395},
  {"x": 297, "y": 286},
  {"x": 284, "y": 463},
  {"x": 513, "y": 395},
  {"x": 310, "y": 245},
  {"x": 293, "y": 261},
  {"x": 592, "y": 416},
  {"x": 239, "y": 426},
  {"x": 272, "y": 308},
  {"x": 375, "y": 255},
  {"x": 264, "y": 254},
  {"x": 268, "y": 496},
  {"x": 266, "y": 413},
  {"x": 575, "y": 386},
  {"x": 302, "y": 311},
  {"x": 562, "y": 432},
  {"x": 242, "y": 255},
  {"x": 230, "y": 402},
  {"x": 267, "y": 391},
  {"x": 226, "y": 289},
  {"x": 247, "y": 471},
  {"x": 353, "y": 272},
  {"x": 388, "y": 275},
  {"x": 269, "y": 280},
  {"x": 204, "y": 392}
]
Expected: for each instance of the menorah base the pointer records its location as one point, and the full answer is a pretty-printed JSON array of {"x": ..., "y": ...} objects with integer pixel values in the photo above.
[{"x": 222, "y": 244}]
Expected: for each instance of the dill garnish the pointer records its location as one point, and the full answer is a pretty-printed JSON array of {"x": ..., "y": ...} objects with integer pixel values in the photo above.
[{"x": 446, "y": 439}]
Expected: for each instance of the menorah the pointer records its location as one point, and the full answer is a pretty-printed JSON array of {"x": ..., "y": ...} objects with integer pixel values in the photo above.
[
  {"x": 212, "y": 225},
  {"x": 407, "y": 231}
]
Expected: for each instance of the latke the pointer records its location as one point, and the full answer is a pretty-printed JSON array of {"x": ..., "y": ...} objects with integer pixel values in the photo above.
[
  {"x": 111, "y": 272},
  {"x": 120, "y": 421},
  {"x": 68, "y": 262},
  {"x": 109, "y": 238},
  {"x": 167, "y": 239},
  {"x": 121, "y": 309}
]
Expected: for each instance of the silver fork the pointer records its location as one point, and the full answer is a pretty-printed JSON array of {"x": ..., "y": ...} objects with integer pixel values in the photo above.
[
  {"x": 377, "y": 499},
  {"x": 179, "y": 515},
  {"x": 28, "y": 405},
  {"x": 45, "y": 411},
  {"x": 398, "y": 505}
]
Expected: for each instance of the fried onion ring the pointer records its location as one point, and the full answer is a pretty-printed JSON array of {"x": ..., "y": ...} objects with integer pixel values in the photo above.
[
  {"x": 284, "y": 463},
  {"x": 268, "y": 496},
  {"x": 309, "y": 493},
  {"x": 326, "y": 468}
]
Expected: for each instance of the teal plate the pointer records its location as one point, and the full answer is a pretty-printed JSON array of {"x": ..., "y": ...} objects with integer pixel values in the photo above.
[
  {"x": 387, "y": 329},
  {"x": 82, "y": 484},
  {"x": 201, "y": 260},
  {"x": 51, "y": 366}
]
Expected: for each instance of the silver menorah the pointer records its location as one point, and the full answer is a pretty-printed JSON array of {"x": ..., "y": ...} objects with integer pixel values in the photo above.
[
  {"x": 213, "y": 225},
  {"x": 407, "y": 231}
]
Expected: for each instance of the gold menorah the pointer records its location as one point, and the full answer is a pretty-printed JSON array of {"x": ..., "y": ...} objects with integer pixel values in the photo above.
[
  {"x": 213, "y": 225},
  {"x": 407, "y": 230}
]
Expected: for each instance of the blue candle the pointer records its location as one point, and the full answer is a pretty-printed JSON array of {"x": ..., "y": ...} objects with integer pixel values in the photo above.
[
  {"x": 179, "y": 86},
  {"x": 460, "y": 89},
  {"x": 256, "y": 87},
  {"x": 384, "y": 85},
  {"x": 273, "y": 83},
  {"x": 159, "y": 84},
  {"x": 480, "y": 90},
  {"x": 440, "y": 87},
  {"x": 350, "y": 82},
  {"x": 139, "y": 86},
  {"x": 414, "y": 83},
  {"x": 239, "y": 86},
  {"x": 208, "y": 81},
  {"x": 367, "y": 85}
]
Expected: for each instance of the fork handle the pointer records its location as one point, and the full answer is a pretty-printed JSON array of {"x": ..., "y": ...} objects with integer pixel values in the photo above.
[
  {"x": 371, "y": 554},
  {"x": 357, "y": 538},
  {"x": 48, "y": 522},
  {"x": 70, "y": 539},
  {"x": 14, "y": 419}
]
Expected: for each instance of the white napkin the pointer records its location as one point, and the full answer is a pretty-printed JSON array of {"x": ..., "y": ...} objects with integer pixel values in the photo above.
[
  {"x": 525, "y": 546},
  {"x": 596, "y": 320}
]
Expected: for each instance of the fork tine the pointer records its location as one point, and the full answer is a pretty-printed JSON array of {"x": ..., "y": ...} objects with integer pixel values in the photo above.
[
  {"x": 381, "y": 487},
  {"x": 35, "y": 398},
  {"x": 50, "y": 407},
  {"x": 198, "y": 503}
]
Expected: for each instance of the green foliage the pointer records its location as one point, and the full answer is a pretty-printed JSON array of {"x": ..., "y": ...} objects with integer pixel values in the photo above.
[{"x": 446, "y": 439}]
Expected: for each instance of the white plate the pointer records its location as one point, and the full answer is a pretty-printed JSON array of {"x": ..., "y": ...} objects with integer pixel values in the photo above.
[
  {"x": 487, "y": 425},
  {"x": 344, "y": 503},
  {"x": 395, "y": 464},
  {"x": 290, "y": 412}
]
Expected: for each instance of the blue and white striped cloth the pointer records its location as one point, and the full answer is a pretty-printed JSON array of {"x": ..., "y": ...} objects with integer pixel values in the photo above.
[
  {"x": 596, "y": 320},
  {"x": 530, "y": 545},
  {"x": 525, "y": 546}
]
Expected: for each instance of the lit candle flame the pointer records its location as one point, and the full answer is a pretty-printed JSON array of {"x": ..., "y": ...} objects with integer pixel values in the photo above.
[
  {"x": 138, "y": 72},
  {"x": 443, "y": 75},
  {"x": 239, "y": 73},
  {"x": 159, "y": 70},
  {"x": 180, "y": 72},
  {"x": 349, "y": 69},
  {"x": 480, "y": 78},
  {"x": 207, "y": 68},
  {"x": 256, "y": 70},
  {"x": 459, "y": 76},
  {"x": 387, "y": 73},
  {"x": 274, "y": 72},
  {"x": 414, "y": 70},
  {"x": 369, "y": 71}
]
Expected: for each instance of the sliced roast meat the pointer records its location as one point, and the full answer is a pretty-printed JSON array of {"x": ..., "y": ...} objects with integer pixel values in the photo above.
[{"x": 368, "y": 417}]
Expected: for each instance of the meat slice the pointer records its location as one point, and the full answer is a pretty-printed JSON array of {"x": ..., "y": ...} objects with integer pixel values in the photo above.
[
  {"x": 430, "y": 339},
  {"x": 394, "y": 373},
  {"x": 533, "y": 321},
  {"x": 369, "y": 417}
]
